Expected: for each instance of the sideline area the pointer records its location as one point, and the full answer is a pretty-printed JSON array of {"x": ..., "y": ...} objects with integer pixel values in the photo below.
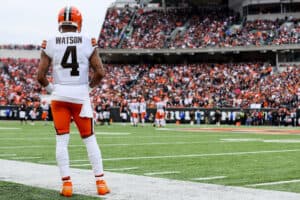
[{"x": 132, "y": 187}]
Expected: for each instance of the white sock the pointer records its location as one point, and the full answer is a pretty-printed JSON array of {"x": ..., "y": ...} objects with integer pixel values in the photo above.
[
  {"x": 94, "y": 154},
  {"x": 157, "y": 122},
  {"x": 135, "y": 121},
  {"x": 62, "y": 154}
]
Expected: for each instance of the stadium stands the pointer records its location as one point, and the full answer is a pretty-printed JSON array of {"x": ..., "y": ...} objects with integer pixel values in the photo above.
[
  {"x": 18, "y": 81},
  {"x": 184, "y": 85},
  {"x": 181, "y": 28}
]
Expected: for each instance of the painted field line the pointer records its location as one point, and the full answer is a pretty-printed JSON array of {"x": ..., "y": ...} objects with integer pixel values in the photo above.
[
  {"x": 106, "y": 133},
  {"x": 282, "y": 141},
  {"x": 169, "y": 135},
  {"x": 80, "y": 165},
  {"x": 76, "y": 145},
  {"x": 241, "y": 140},
  {"x": 161, "y": 173},
  {"x": 275, "y": 183},
  {"x": 26, "y": 147},
  {"x": 208, "y": 178},
  {"x": 25, "y": 158},
  {"x": 166, "y": 129},
  {"x": 202, "y": 155},
  {"x": 260, "y": 140},
  {"x": 18, "y": 138},
  {"x": 47, "y": 162},
  {"x": 79, "y": 160},
  {"x": 121, "y": 144},
  {"x": 112, "y": 133},
  {"x": 54, "y": 161},
  {"x": 9, "y": 128},
  {"x": 7, "y": 155},
  {"x": 36, "y": 146},
  {"x": 122, "y": 169},
  {"x": 157, "y": 143}
]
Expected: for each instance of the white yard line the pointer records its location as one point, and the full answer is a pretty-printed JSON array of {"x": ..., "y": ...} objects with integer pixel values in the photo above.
[
  {"x": 158, "y": 143},
  {"x": 282, "y": 141},
  {"x": 184, "y": 156},
  {"x": 79, "y": 160},
  {"x": 9, "y": 128},
  {"x": 260, "y": 140},
  {"x": 132, "y": 187},
  {"x": 29, "y": 139},
  {"x": 109, "y": 145},
  {"x": 208, "y": 178},
  {"x": 161, "y": 173},
  {"x": 112, "y": 133},
  {"x": 35, "y": 146},
  {"x": 105, "y": 133},
  {"x": 202, "y": 155},
  {"x": 26, "y": 158},
  {"x": 80, "y": 165},
  {"x": 25, "y": 147},
  {"x": 241, "y": 140},
  {"x": 122, "y": 169},
  {"x": 167, "y": 136},
  {"x": 275, "y": 183},
  {"x": 7, "y": 155}
]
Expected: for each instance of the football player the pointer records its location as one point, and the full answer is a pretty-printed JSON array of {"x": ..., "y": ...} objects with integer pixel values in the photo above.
[
  {"x": 71, "y": 54},
  {"x": 134, "y": 110},
  {"x": 160, "y": 113},
  {"x": 142, "y": 110}
]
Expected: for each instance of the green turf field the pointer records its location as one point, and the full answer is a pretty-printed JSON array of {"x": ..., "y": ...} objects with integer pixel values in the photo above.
[
  {"x": 234, "y": 158},
  {"x": 16, "y": 191}
]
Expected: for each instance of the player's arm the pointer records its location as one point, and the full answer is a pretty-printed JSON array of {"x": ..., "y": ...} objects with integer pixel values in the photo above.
[
  {"x": 97, "y": 66},
  {"x": 43, "y": 68}
]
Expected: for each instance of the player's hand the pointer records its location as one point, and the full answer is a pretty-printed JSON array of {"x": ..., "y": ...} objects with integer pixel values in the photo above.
[
  {"x": 49, "y": 88},
  {"x": 90, "y": 89}
]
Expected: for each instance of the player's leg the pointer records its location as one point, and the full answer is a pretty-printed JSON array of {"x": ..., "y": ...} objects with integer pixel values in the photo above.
[
  {"x": 143, "y": 114},
  {"x": 135, "y": 118},
  {"x": 61, "y": 118},
  {"x": 157, "y": 119},
  {"x": 86, "y": 130},
  {"x": 163, "y": 119}
]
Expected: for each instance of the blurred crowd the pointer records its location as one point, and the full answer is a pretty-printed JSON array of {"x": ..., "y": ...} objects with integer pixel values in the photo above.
[
  {"x": 18, "y": 81},
  {"x": 20, "y": 47},
  {"x": 202, "y": 85},
  {"x": 181, "y": 28},
  {"x": 237, "y": 85}
]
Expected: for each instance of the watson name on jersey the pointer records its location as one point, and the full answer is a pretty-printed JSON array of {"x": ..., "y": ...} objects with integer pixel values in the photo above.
[{"x": 70, "y": 53}]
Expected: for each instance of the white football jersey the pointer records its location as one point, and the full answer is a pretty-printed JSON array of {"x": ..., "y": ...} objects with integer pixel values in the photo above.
[
  {"x": 134, "y": 107},
  {"x": 142, "y": 106},
  {"x": 70, "y": 53},
  {"x": 160, "y": 106}
]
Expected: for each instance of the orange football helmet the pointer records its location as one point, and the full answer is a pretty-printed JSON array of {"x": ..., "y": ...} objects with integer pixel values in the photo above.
[{"x": 70, "y": 16}]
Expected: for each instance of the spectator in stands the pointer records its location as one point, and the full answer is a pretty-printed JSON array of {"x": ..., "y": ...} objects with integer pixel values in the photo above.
[
  {"x": 183, "y": 28},
  {"x": 184, "y": 85}
]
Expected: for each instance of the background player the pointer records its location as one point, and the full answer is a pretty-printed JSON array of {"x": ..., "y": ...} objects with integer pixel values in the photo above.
[
  {"x": 142, "y": 110},
  {"x": 134, "y": 110},
  {"x": 160, "y": 113}
]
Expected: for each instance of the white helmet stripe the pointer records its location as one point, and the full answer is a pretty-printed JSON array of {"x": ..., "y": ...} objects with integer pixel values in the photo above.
[{"x": 68, "y": 13}]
